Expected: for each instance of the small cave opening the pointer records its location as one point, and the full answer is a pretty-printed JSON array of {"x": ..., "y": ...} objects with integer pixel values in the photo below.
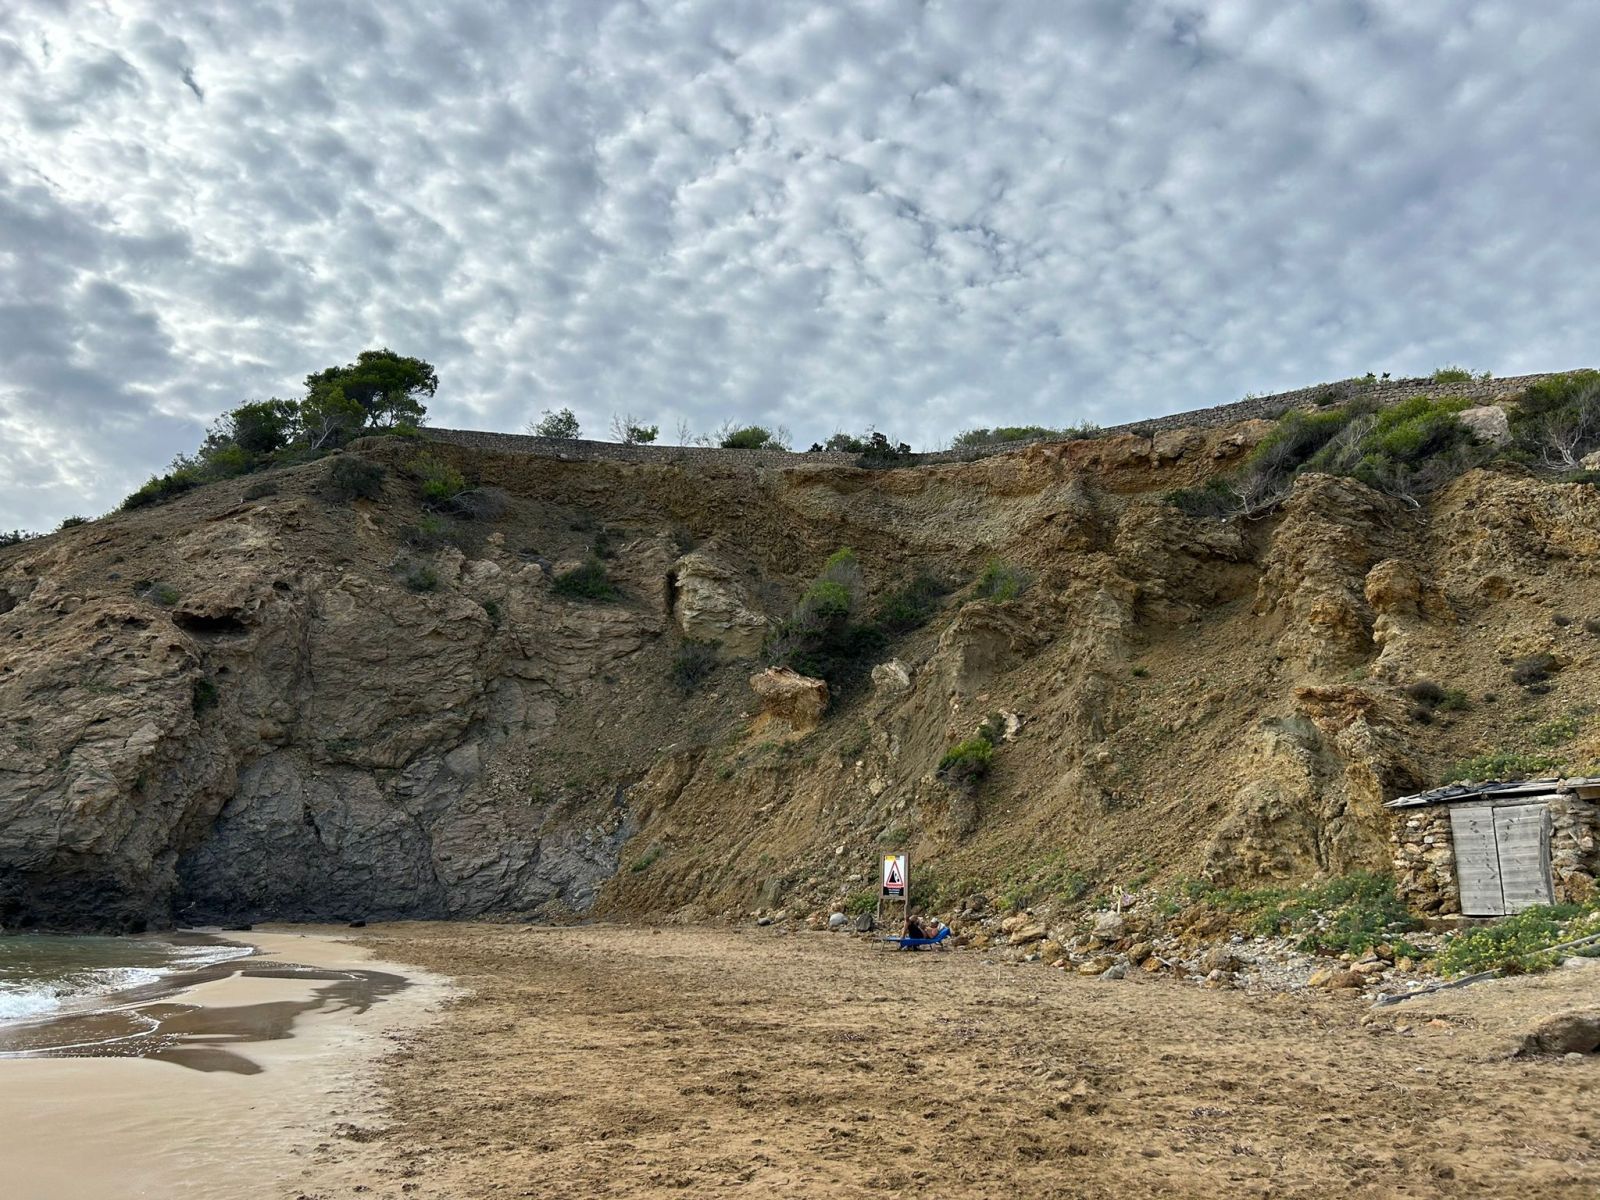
[
  {"x": 672, "y": 593},
  {"x": 7, "y": 601},
  {"x": 210, "y": 625}
]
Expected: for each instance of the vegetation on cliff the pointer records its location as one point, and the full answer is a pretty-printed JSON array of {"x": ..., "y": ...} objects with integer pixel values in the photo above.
[{"x": 380, "y": 392}]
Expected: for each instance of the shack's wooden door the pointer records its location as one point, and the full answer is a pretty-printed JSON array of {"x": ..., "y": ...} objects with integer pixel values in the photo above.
[{"x": 1502, "y": 857}]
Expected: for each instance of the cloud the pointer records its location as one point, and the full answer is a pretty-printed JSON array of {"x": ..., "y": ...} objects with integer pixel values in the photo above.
[{"x": 915, "y": 214}]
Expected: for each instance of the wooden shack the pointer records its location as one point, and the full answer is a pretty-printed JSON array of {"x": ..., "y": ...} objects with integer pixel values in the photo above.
[{"x": 1492, "y": 849}]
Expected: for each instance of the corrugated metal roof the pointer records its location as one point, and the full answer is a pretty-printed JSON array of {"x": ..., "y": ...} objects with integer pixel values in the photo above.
[{"x": 1587, "y": 786}]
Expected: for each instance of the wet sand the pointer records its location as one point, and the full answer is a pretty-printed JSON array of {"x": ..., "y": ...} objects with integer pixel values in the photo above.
[
  {"x": 230, "y": 1087},
  {"x": 627, "y": 1063}
]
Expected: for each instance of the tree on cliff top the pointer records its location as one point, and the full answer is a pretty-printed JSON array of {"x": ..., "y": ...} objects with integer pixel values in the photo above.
[
  {"x": 381, "y": 390},
  {"x": 387, "y": 387}
]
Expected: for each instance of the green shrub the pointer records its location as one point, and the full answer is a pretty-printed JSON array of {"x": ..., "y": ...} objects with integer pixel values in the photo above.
[
  {"x": 1558, "y": 731},
  {"x": 491, "y": 609},
  {"x": 975, "y": 439},
  {"x": 260, "y": 489},
  {"x": 645, "y": 860},
  {"x": 480, "y": 504},
  {"x": 967, "y": 763},
  {"x": 1535, "y": 668},
  {"x": 911, "y": 605},
  {"x": 71, "y": 523},
  {"x": 1517, "y": 944},
  {"x": 1556, "y": 422},
  {"x": 751, "y": 437},
  {"x": 1452, "y": 375},
  {"x": 839, "y": 443},
  {"x": 1000, "y": 582},
  {"x": 15, "y": 537},
  {"x": 1504, "y": 765},
  {"x": 1425, "y": 691},
  {"x": 440, "y": 481},
  {"x": 880, "y": 454},
  {"x": 162, "y": 488},
  {"x": 1214, "y": 498},
  {"x": 693, "y": 664},
  {"x": 1047, "y": 877},
  {"x": 354, "y": 478},
  {"x": 163, "y": 594},
  {"x": 1349, "y": 914},
  {"x": 562, "y": 425},
  {"x": 864, "y": 900},
  {"x": 586, "y": 582},
  {"x": 203, "y": 694},
  {"x": 420, "y": 577}
]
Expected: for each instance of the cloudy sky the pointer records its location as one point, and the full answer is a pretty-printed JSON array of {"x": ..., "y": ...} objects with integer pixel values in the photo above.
[{"x": 920, "y": 215}]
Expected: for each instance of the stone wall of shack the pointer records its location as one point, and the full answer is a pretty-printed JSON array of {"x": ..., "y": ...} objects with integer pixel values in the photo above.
[
  {"x": 1425, "y": 859},
  {"x": 1574, "y": 832}
]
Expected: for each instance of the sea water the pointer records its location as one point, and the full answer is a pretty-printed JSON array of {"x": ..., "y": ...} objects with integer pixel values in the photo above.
[{"x": 45, "y": 974}]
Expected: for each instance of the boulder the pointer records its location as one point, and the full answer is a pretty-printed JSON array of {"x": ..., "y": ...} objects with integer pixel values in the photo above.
[
  {"x": 791, "y": 698},
  {"x": 1574, "y": 1032},
  {"x": 891, "y": 677},
  {"x": 1488, "y": 424},
  {"x": 1110, "y": 926},
  {"x": 1028, "y": 934},
  {"x": 838, "y": 921}
]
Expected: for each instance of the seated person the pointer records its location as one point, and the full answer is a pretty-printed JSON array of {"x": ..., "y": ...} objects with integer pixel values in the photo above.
[{"x": 923, "y": 927}]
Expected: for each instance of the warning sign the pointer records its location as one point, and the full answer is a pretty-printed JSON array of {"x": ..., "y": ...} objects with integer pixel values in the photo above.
[{"x": 895, "y": 873}]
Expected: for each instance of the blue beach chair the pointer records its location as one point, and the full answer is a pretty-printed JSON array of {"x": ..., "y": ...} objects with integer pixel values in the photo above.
[{"x": 913, "y": 943}]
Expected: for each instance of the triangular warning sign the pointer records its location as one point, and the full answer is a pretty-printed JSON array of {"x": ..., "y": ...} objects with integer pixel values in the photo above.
[{"x": 891, "y": 874}]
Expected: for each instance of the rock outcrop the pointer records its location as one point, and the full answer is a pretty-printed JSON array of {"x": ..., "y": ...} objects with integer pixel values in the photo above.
[
  {"x": 295, "y": 707},
  {"x": 791, "y": 701}
]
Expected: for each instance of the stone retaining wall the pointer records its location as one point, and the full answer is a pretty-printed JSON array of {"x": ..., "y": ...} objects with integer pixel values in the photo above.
[{"x": 1389, "y": 391}]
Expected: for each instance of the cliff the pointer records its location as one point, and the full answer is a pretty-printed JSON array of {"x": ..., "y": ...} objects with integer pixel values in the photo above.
[{"x": 300, "y": 706}]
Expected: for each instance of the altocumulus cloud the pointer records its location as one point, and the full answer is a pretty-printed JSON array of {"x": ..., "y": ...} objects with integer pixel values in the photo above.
[{"x": 916, "y": 214}]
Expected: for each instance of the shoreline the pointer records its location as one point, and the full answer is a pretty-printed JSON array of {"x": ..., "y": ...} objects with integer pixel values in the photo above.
[{"x": 229, "y": 1088}]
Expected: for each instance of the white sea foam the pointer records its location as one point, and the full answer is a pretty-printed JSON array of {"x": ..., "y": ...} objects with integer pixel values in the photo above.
[{"x": 30, "y": 999}]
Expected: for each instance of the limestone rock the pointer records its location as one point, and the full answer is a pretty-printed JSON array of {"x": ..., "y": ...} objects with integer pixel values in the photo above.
[
  {"x": 790, "y": 698},
  {"x": 1488, "y": 424},
  {"x": 711, "y": 604},
  {"x": 891, "y": 677},
  {"x": 1110, "y": 926}
]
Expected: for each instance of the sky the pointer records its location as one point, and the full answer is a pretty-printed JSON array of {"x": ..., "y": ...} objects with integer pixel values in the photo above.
[{"x": 918, "y": 216}]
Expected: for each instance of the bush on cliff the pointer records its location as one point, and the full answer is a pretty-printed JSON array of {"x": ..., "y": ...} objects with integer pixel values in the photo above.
[
  {"x": 354, "y": 478},
  {"x": 978, "y": 439},
  {"x": 440, "y": 481},
  {"x": 693, "y": 664},
  {"x": 1000, "y": 582},
  {"x": 1557, "y": 420},
  {"x": 586, "y": 582},
  {"x": 380, "y": 392},
  {"x": 751, "y": 437},
  {"x": 1406, "y": 451},
  {"x": 967, "y": 764}
]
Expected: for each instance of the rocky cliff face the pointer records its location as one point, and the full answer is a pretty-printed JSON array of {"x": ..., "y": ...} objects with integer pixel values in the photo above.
[{"x": 237, "y": 709}]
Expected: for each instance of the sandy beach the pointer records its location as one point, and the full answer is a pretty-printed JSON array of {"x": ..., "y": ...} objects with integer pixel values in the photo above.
[
  {"x": 648, "y": 1062},
  {"x": 277, "y": 1070},
  {"x": 636, "y": 1062}
]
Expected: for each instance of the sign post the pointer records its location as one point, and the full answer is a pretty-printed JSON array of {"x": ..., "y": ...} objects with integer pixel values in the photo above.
[{"x": 894, "y": 886}]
